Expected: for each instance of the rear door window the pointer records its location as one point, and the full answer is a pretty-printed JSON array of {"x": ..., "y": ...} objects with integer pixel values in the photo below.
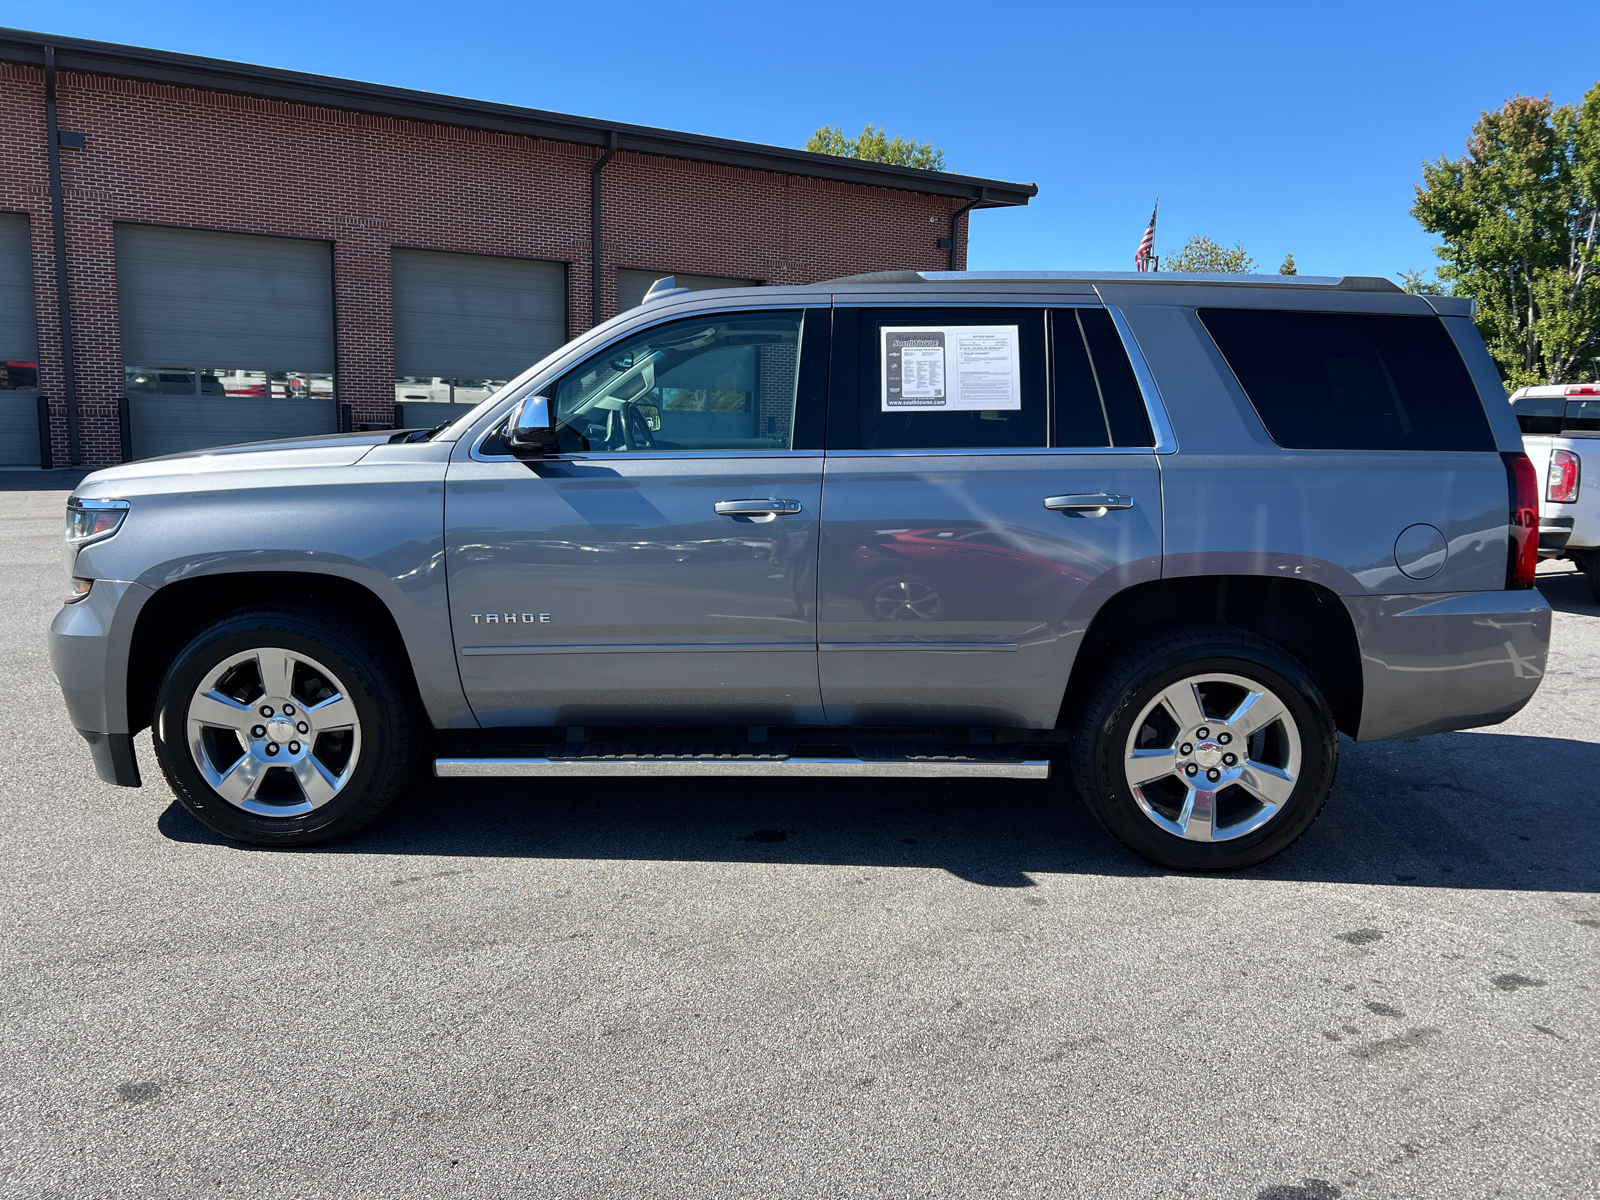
[
  {"x": 1097, "y": 398},
  {"x": 982, "y": 378},
  {"x": 939, "y": 379},
  {"x": 1352, "y": 381}
]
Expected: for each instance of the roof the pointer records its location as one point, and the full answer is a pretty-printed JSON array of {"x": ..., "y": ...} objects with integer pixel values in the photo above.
[
  {"x": 1347, "y": 283},
  {"x": 298, "y": 87}
]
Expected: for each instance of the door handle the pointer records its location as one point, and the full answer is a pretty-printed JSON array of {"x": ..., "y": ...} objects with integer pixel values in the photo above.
[
  {"x": 1096, "y": 504},
  {"x": 759, "y": 511}
]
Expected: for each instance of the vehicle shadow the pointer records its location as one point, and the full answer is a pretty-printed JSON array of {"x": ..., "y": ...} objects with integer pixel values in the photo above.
[
  {"x": 1568, "y": 592},
  {"x": 1477, "y": 810}
]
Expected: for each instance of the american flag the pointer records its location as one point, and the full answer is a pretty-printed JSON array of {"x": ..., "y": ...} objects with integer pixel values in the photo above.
[{"x": 1147, "y": 244}]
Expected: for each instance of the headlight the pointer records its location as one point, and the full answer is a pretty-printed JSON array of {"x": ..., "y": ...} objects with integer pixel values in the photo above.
[{"x": 93, "y": 520}]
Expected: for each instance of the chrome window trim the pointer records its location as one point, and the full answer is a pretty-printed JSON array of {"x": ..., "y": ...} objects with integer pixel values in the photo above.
[
  {"x": 1007, "y": 451},
  {"x": 635, "y": 456},
  {"x": 1155, "y": 408},
  {"x": 766, "y": 455}
]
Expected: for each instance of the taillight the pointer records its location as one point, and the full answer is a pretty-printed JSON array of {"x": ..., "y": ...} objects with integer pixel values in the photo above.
[
  {"x": 1522, "y": 556},
  {"x": 1583, "y": 389},
  {"x": 1563, "y": 485}
]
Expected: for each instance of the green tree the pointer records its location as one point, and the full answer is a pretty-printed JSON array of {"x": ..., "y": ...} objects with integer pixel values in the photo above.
[
  {"x": 1418, "y": 283},
  {"x": 1288, "y": 267},
  {"x": 1518, "y": 218},
  {"x": 877, "y": 145},
  {"x": 1201, "y": 254}
]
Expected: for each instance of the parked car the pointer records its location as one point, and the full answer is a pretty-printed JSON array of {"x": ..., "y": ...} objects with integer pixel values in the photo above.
[
  {"x": 1560, "y": 425},
  {"x": 1169, "y": 535}
]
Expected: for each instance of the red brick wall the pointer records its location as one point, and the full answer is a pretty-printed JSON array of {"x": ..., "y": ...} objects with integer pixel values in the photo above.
[{"x": 180, "y": 156}]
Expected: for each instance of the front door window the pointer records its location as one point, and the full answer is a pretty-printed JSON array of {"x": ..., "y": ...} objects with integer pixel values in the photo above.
[{"x": 719, "y": 382}]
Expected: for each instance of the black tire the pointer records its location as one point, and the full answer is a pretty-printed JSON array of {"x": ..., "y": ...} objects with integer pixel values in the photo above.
[
  {"x": 1136, "y": 679},
  {"x": 387, "y": 745},
  {"x": 1591, "y": 572}
]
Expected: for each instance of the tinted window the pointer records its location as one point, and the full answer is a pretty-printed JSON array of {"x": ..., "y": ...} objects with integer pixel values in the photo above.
[
  {"x": 919, "y": 378},
  {"x": 1352, "y": 381},
  {"x": 1097, "y": 398},
  {"x": 1582, "y": 416},
  {"x": 1540, "y": 414},
  {"x": 724, "y": 381},
  {"x": 1557, "y": 414}
]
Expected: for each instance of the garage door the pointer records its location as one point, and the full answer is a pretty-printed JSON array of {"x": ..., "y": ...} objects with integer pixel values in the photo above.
[
  {"x": 226, "y": 337},
  {"x": 632, "y": 285},
  {"x": 466, "y": 323},
  {"x": 19, "y": 346}
]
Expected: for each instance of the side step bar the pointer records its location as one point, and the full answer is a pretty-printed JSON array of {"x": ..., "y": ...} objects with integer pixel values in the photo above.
[{"x": 872, "y": 762}]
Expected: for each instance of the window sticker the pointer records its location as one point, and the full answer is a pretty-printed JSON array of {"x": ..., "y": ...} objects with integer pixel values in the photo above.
[{"x": 951, "y": 368}]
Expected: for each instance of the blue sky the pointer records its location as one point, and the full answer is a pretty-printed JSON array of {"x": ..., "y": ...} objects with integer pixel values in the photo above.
[{"x": 1286, "y": 126}]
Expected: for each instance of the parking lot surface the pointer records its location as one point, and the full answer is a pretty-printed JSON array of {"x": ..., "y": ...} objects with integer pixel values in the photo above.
[{"x": 835, "y": 988}]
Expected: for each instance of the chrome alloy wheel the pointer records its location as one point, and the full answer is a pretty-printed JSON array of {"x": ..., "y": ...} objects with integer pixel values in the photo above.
[
  {"x": 1213, "y": 757},
  {"x": 905, "y": 600},
  {"x": 273, "y": 732}
]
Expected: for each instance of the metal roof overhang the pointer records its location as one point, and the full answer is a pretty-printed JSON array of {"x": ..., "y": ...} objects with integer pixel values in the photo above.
[{"x": 296, "y": 87}]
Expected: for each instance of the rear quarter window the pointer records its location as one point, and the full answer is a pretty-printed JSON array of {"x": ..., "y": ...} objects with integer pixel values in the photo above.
[{"x": 1352, "y": 381}]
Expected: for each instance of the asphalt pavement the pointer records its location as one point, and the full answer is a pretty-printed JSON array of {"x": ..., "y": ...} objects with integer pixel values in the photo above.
[{"x": 806, "y": 989}]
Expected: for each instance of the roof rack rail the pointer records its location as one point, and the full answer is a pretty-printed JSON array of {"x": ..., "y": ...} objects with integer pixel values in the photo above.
[{"x": 1348, "y": 283}]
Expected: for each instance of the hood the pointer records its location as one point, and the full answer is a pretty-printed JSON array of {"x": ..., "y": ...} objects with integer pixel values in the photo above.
[{"x": 319, "y": 450}]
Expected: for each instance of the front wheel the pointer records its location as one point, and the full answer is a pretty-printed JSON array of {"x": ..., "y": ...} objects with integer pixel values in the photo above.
[
  {"x": 284, "y": 726},
  {"x": 1207, "y": 749}
]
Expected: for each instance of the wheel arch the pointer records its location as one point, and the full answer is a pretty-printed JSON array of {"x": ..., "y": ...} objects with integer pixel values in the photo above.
[
  {"x": 176, "y": 611},
  {"x": 1307, "y": 619}
]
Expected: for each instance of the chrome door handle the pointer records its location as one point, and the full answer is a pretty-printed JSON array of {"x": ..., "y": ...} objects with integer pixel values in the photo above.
[
  {"x": 1095, "y": 504},
  {"x": 757, "y": 510}
]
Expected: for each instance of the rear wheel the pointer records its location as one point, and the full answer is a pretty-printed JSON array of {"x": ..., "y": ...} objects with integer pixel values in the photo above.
[
  {"x": 284, "y": 726},
  {"x": 1208, "y": 749}
]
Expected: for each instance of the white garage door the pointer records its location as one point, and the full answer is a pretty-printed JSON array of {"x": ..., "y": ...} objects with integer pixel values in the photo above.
[
  {"x": 632, "y": 285},
  {"x": 226, "y": 337},
  {"x": 466, "y": 323},
  {"x": 19, "y": 346}
]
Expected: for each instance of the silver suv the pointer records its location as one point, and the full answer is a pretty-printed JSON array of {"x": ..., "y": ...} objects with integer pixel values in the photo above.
[{"x": 1167, "y": 534}]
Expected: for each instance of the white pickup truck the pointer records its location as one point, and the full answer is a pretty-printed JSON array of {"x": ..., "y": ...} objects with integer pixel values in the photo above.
[{"x": 1560, "y": 427}]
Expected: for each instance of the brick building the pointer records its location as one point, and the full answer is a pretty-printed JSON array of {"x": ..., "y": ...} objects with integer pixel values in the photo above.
[{"x": 251, "y": 252}]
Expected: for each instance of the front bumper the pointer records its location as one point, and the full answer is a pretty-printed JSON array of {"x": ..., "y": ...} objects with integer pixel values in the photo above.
[
  {"x": 1432, "y": 663},
  {"x": 89, "y": 643}
]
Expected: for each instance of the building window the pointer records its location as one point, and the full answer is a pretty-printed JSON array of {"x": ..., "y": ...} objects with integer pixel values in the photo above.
[
  {"x": 444, "y": 389},
  {"x": 18, "y": 376},
  {"x": 238, "y": 383}
]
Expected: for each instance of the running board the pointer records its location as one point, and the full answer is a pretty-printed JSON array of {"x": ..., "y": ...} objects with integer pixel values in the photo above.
[{"x": 625, "y": 761}]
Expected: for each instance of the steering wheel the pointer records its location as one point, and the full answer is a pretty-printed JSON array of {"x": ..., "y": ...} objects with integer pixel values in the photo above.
[{"x": 639, "y": 429}]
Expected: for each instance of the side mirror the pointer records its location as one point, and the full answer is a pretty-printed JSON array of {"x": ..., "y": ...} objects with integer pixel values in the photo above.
[{"x": 530, "y": 432}]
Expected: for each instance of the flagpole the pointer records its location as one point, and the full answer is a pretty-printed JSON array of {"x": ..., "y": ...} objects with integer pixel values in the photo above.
[{"x": 1144, "y": 258}]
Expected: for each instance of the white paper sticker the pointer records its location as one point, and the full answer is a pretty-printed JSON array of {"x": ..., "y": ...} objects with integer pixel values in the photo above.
[{"x": 951, "y": 368}]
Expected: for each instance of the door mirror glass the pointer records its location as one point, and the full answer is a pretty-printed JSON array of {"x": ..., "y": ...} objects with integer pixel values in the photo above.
[
  {"x": 652, "y": 417},
  {"x": 529, "y": 433}
]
